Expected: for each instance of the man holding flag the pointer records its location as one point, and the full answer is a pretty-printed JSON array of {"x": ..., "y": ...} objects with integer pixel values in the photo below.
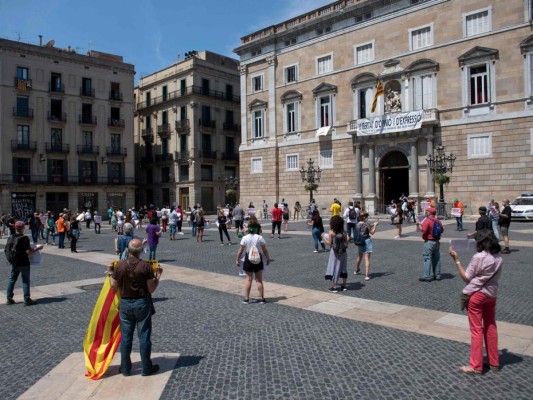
[{"x": 379, "y": 92}]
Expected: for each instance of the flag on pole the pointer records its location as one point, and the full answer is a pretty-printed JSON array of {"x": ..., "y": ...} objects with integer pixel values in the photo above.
[{"x": 379, "y": 92}]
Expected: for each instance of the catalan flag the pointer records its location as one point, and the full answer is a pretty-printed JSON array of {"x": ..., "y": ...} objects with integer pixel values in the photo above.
[
  {"x": 103, "y": 334},
  {"x": 379, "y": 92}
]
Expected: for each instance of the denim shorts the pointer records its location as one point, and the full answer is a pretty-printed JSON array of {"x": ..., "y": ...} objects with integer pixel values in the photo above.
[
  {"x": 367, "y": 247},
  {"x": 172, "y": 228}
]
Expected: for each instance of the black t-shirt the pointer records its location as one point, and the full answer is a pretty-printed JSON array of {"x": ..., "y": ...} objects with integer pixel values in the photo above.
[
  {"x": 23, "y": 245},
  {"x": 483, "y": 222},
  {"x": 505, "y": 221}
]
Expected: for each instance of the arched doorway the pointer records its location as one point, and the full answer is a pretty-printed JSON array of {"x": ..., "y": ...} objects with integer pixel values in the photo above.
[{"x": 394, "y": 176}]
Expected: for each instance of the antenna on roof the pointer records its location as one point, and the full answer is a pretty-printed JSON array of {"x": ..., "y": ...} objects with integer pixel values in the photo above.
[{"x": 50, "y": 43}]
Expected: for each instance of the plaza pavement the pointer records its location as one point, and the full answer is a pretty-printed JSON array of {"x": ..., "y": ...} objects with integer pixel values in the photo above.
[{"x": 391, "y": 337}]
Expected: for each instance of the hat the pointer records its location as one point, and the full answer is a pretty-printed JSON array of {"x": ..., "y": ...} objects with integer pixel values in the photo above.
[
  {"x": 484, "y": 234},
  {"x": 19, "y": 224},
  {"x": 483, "y": 209},
  {"x": 455, "y": 199},
  {"x": 431, "y": 210}
]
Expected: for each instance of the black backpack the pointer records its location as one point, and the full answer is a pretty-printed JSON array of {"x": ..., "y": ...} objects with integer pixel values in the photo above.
[
  {"x": 339, "y": 246},
  {"x": 352, "y": 214},
  {"x": 358, "y": 237},
  {"x": 10, "y": 250}
]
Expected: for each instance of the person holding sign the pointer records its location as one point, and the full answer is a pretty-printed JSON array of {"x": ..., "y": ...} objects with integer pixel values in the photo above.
[{"x": 457, "y": 212}]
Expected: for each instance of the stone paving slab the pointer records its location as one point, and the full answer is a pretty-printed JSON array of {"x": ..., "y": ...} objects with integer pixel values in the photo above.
[{"x": 67, "y": 381}]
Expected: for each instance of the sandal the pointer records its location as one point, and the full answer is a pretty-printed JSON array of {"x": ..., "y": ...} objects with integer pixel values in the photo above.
[{"x": 466, "y": 369}]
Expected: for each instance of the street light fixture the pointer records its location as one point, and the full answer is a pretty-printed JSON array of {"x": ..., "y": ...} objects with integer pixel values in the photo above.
[
  {"x": 311, "y": 177},
  {"x": 440, "y": 164},
  {"x": 230, "y": 188}
]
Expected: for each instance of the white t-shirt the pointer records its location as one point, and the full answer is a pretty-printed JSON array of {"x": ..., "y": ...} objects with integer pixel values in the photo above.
[{"x": 249, "y": 240}]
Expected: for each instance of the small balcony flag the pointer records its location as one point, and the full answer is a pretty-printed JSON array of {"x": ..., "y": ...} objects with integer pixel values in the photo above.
[{"x": 379, "y": 92}]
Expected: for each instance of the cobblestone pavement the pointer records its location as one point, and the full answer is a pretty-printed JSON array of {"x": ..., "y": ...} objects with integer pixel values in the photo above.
[{"x": 233, "y": 351}]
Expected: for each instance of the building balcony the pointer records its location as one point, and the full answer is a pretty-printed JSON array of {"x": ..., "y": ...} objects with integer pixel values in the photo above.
[
  {"x": 116, "y": 123},
  {"x": 56, "y": 88},
  {"x": 23, "y": 84},
  {"x": 182, "y": 156},
  {"x": 23, "y": 112},
  {"x": 231, "y": 127},
  {"x": 83, "y": 149},
  {"x": 57, "y": 117},
  {"x": 398, "y": 122},
  {"x": 87, "y": 119},
  {"x": 147, "y": 135},
  {"x": 208, "y": 155},
  {"x": 207, "y": 123},
  {"x": 115, "y": 95},
  {"x": 164, "y": 157},
  {"x": 20, "y": 178},
  {"x": 163, "y": 131},
  {"x": 23, "y": 146},
  {"x": 86, "y": 92},
  {"x": 115, "y": 180},
  {"x": 87, "y": 180},
  {"x": 231, "y": 157},
  {"x": 56, "y": 147},
  {"x": 183, "y": 126},
  {"x": 116, "y": 151},
  {"x": 58, "y": 179}
]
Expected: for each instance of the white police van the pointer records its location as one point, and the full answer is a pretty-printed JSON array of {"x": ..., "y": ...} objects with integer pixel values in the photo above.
[{"x": 522, "y": 207}]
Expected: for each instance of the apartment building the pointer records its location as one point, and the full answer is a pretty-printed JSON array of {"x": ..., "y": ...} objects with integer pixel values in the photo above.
[
  {"x": 187, "y": 132},
  {"x": 454, "y": 73},
  {"x": 66, "y": 123}
]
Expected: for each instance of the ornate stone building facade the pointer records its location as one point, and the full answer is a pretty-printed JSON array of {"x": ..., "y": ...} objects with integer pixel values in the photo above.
[
  {"x": 66, "y": 123},
  {"x": 187, "y": 132},
  {"x": 454, "y": 73}
]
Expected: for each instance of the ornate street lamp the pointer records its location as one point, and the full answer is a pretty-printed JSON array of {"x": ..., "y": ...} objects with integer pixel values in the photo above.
[
  {"x": 440, "y": 164},
  {"x": 311, "y": 177},
  {"x": 230, "y": 189}
]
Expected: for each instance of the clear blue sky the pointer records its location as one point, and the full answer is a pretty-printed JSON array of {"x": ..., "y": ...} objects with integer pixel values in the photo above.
[{"x": 149, "y": 34}]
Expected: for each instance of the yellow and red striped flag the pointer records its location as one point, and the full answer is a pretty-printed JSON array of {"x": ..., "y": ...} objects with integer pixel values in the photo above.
[
  {"x": 103, "y": 334},
  {"x": 379, "y": 92}
]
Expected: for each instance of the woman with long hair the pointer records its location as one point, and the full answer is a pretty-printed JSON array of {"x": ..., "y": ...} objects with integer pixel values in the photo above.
[
  {"x": 396, "y": 218},
  {"x": 366, "y": 231},
  {"x": 481, "y": 277},
  {"x": 317, "y": 228},
  {"x": 337, "y": 267},
  {"x": 153, "y": 232}
]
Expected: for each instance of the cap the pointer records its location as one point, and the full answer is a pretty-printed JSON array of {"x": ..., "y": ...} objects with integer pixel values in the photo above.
[
  {"x": 431, "y": 210},
  {"x": 19, "y": 224},
  {"x": 483, "y": 209},
  {"x": 484, "y": 234},
  {"x": 455, "y": 199}
]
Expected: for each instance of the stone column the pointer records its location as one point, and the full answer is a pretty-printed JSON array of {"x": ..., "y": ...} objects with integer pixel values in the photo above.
[
  {"x": 243, "y": 69},
  {"x": 414, "y": 170},
  {"x": 358, "y": 172},
  {"x": 430, "y": 182},
  {"x": 370, "y": 198},
  {"x": 272, "y": 63}
]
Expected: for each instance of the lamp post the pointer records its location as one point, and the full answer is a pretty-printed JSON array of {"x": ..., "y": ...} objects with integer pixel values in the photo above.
[
  {"x": 311, "y": 177},
  {"x": 440, "y": 164},
  {"x": 230, "y": 188}
]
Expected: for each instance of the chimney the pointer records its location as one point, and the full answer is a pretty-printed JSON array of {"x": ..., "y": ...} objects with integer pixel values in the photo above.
[{"x": 40, "y": 40}]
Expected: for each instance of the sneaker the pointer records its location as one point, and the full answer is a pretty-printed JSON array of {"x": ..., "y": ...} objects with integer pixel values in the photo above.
[
  {"x": 315, "y": 251},
  {"x": 245, "y": 301},
  {"x": 333, "y": 290},
  {"x": 10, "y": 301},
  {"x": 242, "y": 273},
  {"x": 262, "y": 301},
  {"x": 229, "y": 244},
  {"x": 425, "y": 279},
  {"x": 222, "y": 244},
  {"x": 356, "y": 272},
  {"x": 367, "y": 278},
  {"x": 29, "y": 302},
  {"x": 396, "y": 237},
  {"x": 343, "y": 289}
]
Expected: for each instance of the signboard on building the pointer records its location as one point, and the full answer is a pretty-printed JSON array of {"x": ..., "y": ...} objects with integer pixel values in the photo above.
[
  {"x": 116, "y": 200},
  {"x": 389, "y": 123},
  {"x": 22, "y": 205},
  {"x": 87, "y": 200}
]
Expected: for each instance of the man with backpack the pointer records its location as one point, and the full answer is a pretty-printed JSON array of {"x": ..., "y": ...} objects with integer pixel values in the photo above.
[
  {"x": 432, "y": 230},
  {"x": 351, "y": 215},
  {"x": 17, "y": 250}
]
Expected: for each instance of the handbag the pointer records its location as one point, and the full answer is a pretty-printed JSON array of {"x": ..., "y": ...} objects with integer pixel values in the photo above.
[{"x": 465, "y": 298}]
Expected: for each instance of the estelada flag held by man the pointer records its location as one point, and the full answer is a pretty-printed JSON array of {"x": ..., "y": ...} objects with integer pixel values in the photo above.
[
  {"x": 379, "y": 92},
  {"x": 103, "y": 333}
]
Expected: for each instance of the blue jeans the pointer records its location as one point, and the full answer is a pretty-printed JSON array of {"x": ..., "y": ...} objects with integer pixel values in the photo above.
[
  {"x": 350, "y": 228},
  {"x": 13, "y": 276},
  {"x": 316, "y": 237},
  {"x": 431, "y": 259},
  {"x": 496, "y": 229},
  {"x": 61, "y": 243},
  {"x": 194, "y": 229},
  {"x": 35, "y": 235},
  {"x": 50, "y": 232},
  {"x": 135, "y": 313},
  {"x": 459, "y": 222},
  {"x": 151, "y": 254}
]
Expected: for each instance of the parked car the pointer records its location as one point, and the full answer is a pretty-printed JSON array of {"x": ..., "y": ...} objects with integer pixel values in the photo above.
[{"x": 522, "y": 207}]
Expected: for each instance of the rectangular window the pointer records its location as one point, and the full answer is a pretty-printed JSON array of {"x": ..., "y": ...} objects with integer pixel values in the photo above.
[
  {"x": 22, "y": 73},
  {"x": 230, "y": 148},
  {"x": 479, "y": 85},
  {"x": 477, "y": 22},
  {"x": 291, "y": 117},
  {"x": 257, "y": 124},
  {"x": 325, "y": 159},
  {"x": 148, "y": 122},
  {"x": 164, "y": 93},
  {"x": 206, "y": 143},
  {"x": 292, "y": 162},
  {"x": 291, "y": 74},
  {"x": 183, "y": 87},
  {"x": 23, "y": 135},
  {"x": 115, "y": 142},
  {"x": 229, "y": 92},
  {"x": 364, "y": 53},
  {"x": 164, "y": 117},
  {"x": 56, "y": 109},
  {"x": 423, "y": 92},
  {"x": 480, "y": 146},
  {"x": 205, "y": 86},
  {"x": 184, "y": 173},
  {"x": 165, "y": 175},
  {"x": 56, "y": 136},
  {"x": 21, "y": 170},
  {"x": 206, "y": 173},
  {"x": 364, "y": 102},
  {"x": 86, "y": 87},
  {"x": 257, "y": 83},
  {"x": 420, "y": 38},
  {"x": 183, "y": 143},
  {"x": 325, "y": 111},
  {"x": 23, "y": 106},
  {"x": 55, "y": 83},
  {"x": 324, "y": 64},
  {"x": 183, "y": 113},
  {"x": 257, "y": 165},
  {"x": 148, "y": 99},
  {"x": 115, "y": 172},
  {"x": 87, "y": 140}
]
